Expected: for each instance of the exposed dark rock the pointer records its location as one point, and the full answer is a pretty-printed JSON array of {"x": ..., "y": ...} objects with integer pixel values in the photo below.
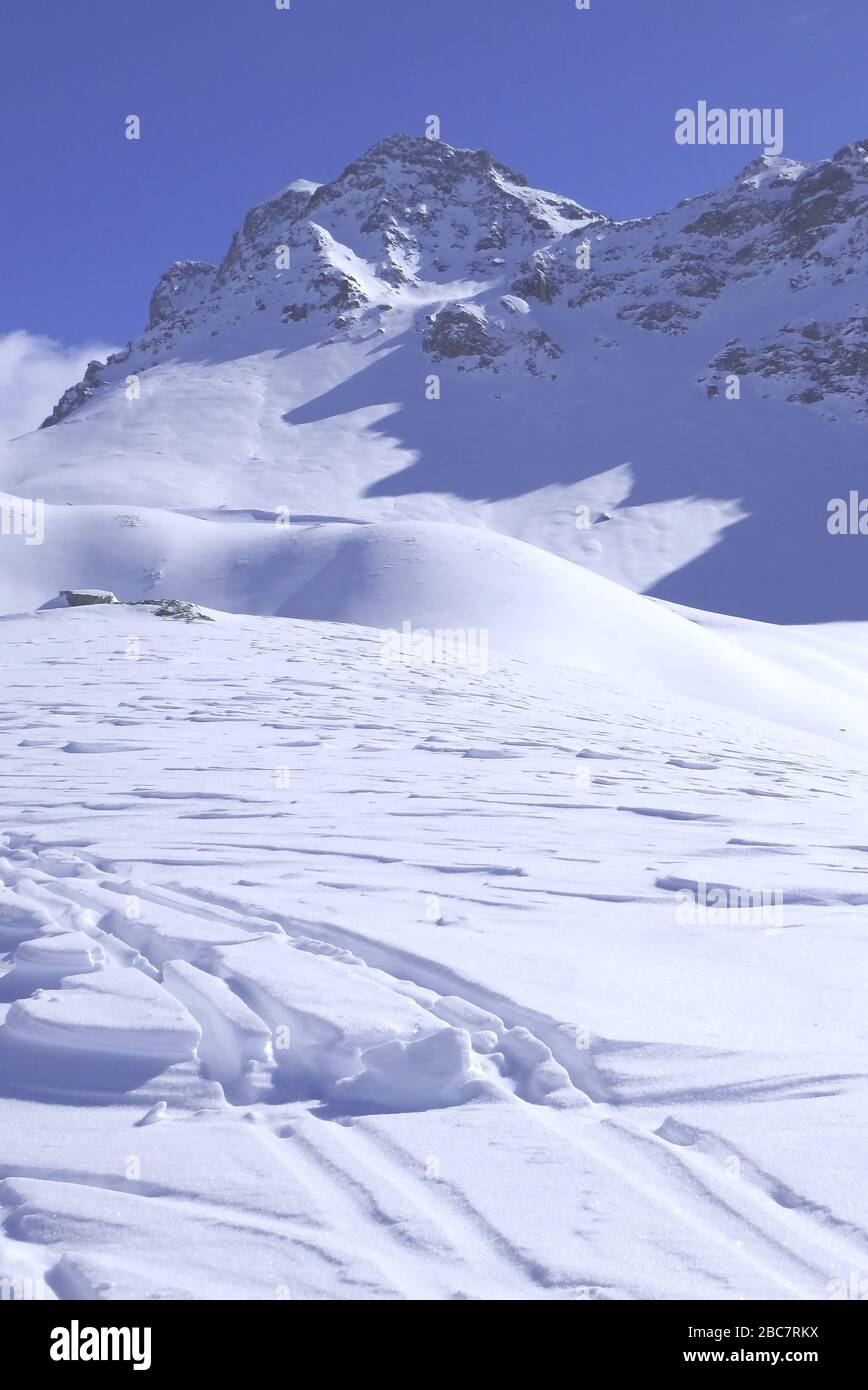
[
  {"x": 459, "y": 331},
  {"x": 79, "y": 598},
  {"x": 182, "y": 287},
  {"x": 76, "y": 395},
  {"x": 663, "y": 315},
  {"x": 176, "y": 608}
]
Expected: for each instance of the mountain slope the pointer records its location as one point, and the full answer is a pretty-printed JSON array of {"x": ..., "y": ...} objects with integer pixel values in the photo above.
[{"x": 566, "y": 379}]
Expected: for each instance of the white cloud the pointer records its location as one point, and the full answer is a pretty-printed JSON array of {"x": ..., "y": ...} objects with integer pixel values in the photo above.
[{"x": 34, "y": 373}]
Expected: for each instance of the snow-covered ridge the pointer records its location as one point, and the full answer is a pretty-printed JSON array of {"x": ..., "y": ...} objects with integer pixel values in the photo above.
[{"x": 414, "y": 212}]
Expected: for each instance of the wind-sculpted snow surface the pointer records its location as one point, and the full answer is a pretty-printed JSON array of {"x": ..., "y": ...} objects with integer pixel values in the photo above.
[{"x": 351, "y": 977}]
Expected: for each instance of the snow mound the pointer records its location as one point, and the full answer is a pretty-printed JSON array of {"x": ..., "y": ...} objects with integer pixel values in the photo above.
[
  {"x": 324, "y": 1013},
  {"x": 20, "y": 920},
  {"x": 106, "y": 1032},
  {"x": 236, "y": 1043},
  {"x": 439, "y": 592},
  {"x": 422, "y": 1074}
]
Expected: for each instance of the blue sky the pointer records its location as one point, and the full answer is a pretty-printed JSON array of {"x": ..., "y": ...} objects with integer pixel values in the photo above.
[{"x": 237, "y": 98}]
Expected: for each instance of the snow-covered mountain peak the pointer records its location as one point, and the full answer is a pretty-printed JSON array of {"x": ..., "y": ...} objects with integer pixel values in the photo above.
[
  {"x": 414, "y": 210},
  {"x": 767, "y": 169},
  {"x": 428, "y": 335},
  {"x": 412, "y": 221}
]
